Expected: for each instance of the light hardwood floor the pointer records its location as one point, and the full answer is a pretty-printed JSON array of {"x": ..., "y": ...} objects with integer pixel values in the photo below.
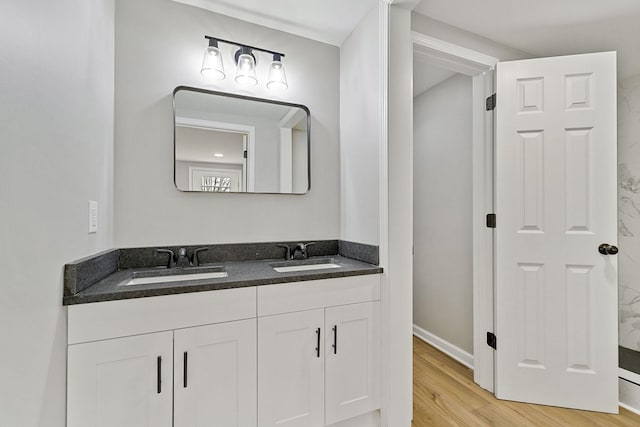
[{"x": 444, "y": 394}]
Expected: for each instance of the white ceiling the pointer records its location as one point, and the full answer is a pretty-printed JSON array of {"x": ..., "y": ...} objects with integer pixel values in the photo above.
[
  {"x": 200, "y": 145},
  {"x": 540, "y": 27},
  {"x": 549, "y": 27},
  {"x": 328, "y": 21}
]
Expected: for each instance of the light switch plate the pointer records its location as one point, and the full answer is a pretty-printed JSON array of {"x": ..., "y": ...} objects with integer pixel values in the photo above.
[{"x": 93, "y": 216}]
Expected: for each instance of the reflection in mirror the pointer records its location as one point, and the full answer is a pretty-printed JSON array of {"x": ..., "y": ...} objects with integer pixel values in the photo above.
[{"x": 231, "y": 143}]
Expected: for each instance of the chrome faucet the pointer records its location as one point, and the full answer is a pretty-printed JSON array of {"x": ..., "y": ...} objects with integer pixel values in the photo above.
[
  {"x": 300, "y": 251},
  {"x": 181, "y": 259}
]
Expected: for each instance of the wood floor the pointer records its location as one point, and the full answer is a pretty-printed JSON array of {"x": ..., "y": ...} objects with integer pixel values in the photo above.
[{"x": 444, "y": 394}]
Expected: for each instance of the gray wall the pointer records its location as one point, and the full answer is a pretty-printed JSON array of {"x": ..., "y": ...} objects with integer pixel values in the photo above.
[
  {"x": 159, "y": 45},
  {"x": 360, "y": 132},
  {"x": 442, "y": 208},
  {"x": 56, "y": 128}
]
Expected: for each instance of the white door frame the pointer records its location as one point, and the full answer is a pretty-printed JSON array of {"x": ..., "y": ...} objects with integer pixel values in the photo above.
[
  {"x": 250, "y": 131},
  {"x": 477, "y": 65}
]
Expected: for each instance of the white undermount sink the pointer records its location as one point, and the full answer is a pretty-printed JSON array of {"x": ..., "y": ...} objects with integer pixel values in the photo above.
[
  {"x": 305, "y": 265},
  {"x": 147, "y": 278}
]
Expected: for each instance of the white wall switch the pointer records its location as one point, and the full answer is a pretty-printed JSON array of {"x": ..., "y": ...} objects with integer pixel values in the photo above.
[{"x": 93, "y": 216}]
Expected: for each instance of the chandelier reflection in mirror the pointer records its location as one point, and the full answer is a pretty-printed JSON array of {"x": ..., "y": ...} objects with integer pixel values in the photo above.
[{"x": 245, "y": 60}]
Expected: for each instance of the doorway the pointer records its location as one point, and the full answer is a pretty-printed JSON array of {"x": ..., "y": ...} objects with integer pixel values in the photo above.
[
  {"x": 462, "y": 80},
  {"x": 542, "y": 190},
  {"x": 214, "y": 156},
  {"x": 442, "y": 210}
]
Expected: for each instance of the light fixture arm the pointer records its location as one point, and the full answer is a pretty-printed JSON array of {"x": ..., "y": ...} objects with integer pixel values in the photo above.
[{"x": 240, "y": 45}]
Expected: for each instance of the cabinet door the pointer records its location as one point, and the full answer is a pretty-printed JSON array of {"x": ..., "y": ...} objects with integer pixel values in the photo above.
[
  {"x": 215, "y": 375},
  {"x": 352, "y": 360},
  {"x": 124, "y": 382},
  {"x": 291, "y": 369}
]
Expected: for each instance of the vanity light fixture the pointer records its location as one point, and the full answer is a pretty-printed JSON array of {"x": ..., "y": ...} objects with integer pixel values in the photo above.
[
  {"x": 212, "y": 67},
  {"x": 246, "y": 61},
  {"x": 218, "y": 155},
  {"x": 246, "y": 72},
  {"x": 277, "y": 77}
]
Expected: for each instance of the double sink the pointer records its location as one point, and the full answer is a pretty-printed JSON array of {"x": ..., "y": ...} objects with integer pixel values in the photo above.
[{"x": 217, "y": 272}]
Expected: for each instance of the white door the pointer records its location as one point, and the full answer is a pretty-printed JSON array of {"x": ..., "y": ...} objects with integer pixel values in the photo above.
[
  {"x": 556, "y": 295},
  {"x": 215, "y": 375},
  {"x": 291, "y": 369},
  {"x": 124, "y": 382},
  {"x": 352, "y": 365}
]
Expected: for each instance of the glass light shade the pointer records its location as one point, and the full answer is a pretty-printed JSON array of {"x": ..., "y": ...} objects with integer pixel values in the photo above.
[
  {"x": 212, "y": 64},
  {"x": 277, "y": 77},
  {"x": 246, "y": 74}
]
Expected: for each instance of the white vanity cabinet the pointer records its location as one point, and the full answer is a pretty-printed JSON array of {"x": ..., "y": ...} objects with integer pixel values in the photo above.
[
  {"x": 292, "y": 354},
  {"x": 318, "y": 366},
  {"x": 121, "y": 382},
  {"x": 121, "y": 372},
  {"x": 291, "y": 370},
  {"x": 201, "y": 376},
  {"x": 215, "y": 375},
  {"x": 352, "y": 361}
]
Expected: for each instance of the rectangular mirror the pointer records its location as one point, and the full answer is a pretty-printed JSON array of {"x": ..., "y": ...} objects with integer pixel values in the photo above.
[{"x": 238, "y": 144}]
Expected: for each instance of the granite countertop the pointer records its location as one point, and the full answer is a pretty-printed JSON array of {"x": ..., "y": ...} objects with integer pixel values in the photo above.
[{"x": 240, "y": 274}]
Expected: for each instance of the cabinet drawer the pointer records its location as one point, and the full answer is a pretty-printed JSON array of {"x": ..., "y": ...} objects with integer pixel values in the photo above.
[
  {"x": 111, "y": 319},
  {"x": 298, "y": 296}
]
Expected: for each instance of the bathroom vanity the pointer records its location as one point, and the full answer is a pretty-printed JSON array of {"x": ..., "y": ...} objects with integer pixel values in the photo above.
[{"x": 258, "y": 347}]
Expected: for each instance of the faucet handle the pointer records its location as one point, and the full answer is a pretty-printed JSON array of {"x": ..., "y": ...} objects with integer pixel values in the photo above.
[
  {"x": 172, "y": 256},
  {"x": 287, "y": 254},
  {"x": 195, "y": 258}
]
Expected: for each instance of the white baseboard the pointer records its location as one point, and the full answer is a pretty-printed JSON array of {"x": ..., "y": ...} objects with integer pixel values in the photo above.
[
  {"x": 444, "y": 346},
  {"x": 629, "y": 390}
]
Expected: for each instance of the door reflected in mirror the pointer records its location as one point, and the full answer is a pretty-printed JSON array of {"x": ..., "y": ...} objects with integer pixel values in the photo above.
[{"x": 230, "y": 143}]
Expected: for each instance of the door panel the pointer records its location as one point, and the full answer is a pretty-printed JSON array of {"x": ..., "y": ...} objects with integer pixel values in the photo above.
[
  {"x": 115, "y": 382},
  {"x": 556, "y": 295},
  {"x": 219, "y": 384},
  {"x": 352, "y": 348},
  {"x": 291, "y": 369}
]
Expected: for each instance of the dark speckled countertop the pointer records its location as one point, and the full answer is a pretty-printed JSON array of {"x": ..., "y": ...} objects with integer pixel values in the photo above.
[{"x": 240, "y": 274}]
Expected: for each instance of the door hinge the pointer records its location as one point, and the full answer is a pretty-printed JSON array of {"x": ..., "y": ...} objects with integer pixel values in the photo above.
[
  {"x": 491, "y": 102},
  {"x": 491, "y": 340},
  {"x": 491, "y": 220},
  {"x": 245, "y": 154}
]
